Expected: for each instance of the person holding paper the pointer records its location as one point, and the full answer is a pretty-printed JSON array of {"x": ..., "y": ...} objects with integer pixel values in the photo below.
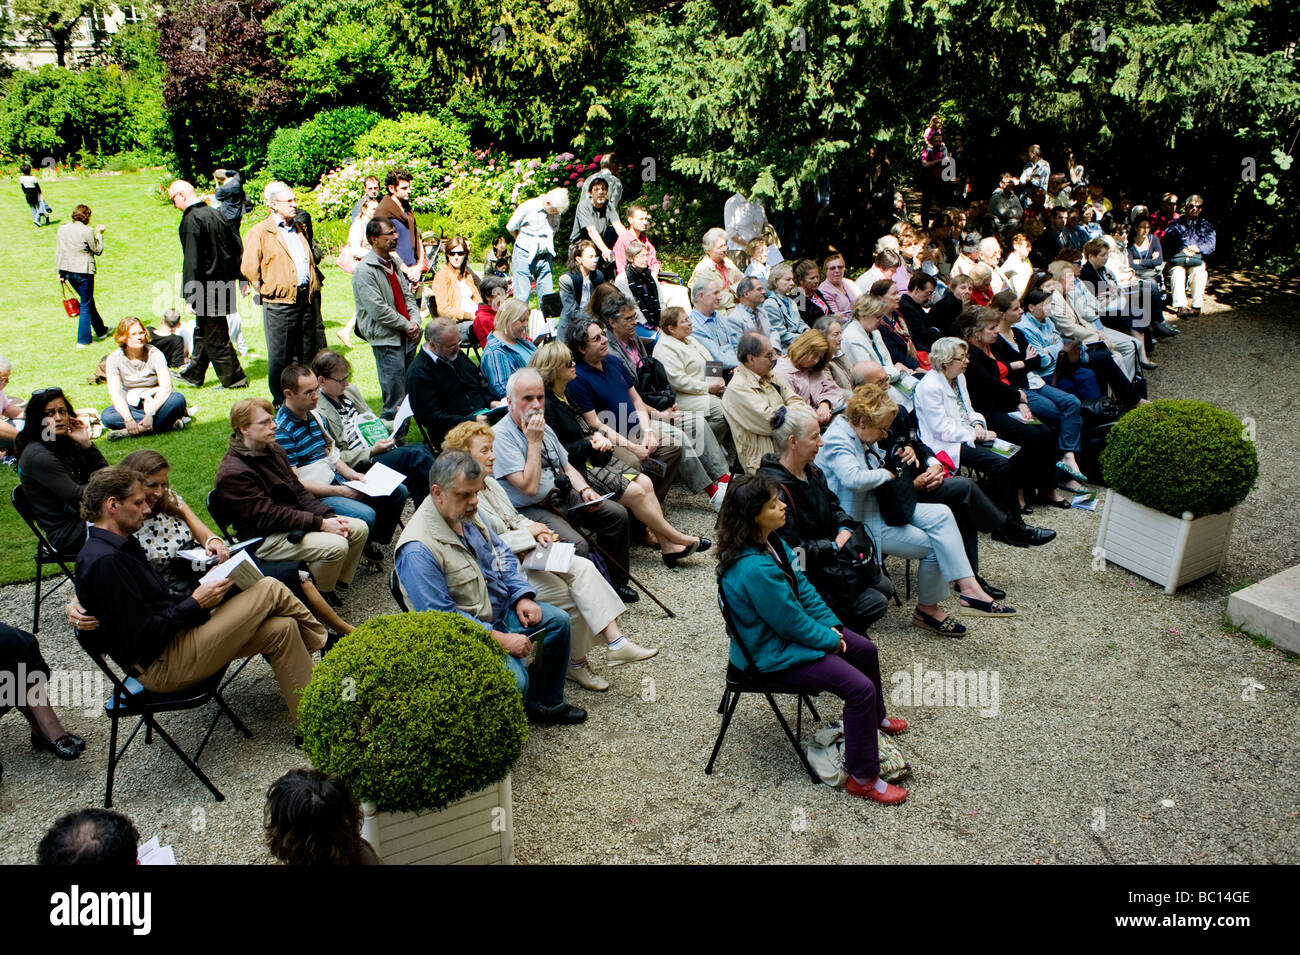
[
  {"x": 449, "y": 560},
  {"x": 592, "y": 604},
  {"x": 166, "y": 642},
  {"x": 320, "y": 466},
  {"x": 361, "y": 437},
  {"x": 266, "y": 499}
]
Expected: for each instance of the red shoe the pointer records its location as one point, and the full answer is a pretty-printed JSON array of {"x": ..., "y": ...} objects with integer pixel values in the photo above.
[
  {"x": 893, "y": 726},
  {"x": 892, "y": 795}
]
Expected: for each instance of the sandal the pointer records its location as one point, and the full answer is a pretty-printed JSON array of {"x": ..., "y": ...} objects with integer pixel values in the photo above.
[
  {"x": 991, "y": 608},
  {"x": 1078, "y": 476},
  {"x": 947, "y": 627}
]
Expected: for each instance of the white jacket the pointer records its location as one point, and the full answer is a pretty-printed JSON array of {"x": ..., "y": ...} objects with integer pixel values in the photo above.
[
  {"x": 858, "y": 346},
  {"x": 938, "y": 415}
]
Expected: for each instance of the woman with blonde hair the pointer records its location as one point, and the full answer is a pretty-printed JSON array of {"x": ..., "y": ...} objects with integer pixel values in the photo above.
[
  {"x": 140, "y": 386},
  {"x": 805, "y": 369},
  {"x": 855, "y": 467},
  {"x": 508, "y": 348},
  {"x": 592, "y": 604}
]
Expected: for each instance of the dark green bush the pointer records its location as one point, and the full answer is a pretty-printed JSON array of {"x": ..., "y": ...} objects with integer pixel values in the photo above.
[
  {"x": 326, "y": 142},
  {"x": 284, "y": 156},
  {"x": 414, "y": 711},
  {"x": 1178, "y": 455}
]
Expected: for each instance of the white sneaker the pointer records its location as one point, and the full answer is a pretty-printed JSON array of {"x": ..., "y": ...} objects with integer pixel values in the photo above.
[
  {"x": 720, "y": 493},
  {"x": 628, "y": 653},
  {"x": 587, "y": 679}
]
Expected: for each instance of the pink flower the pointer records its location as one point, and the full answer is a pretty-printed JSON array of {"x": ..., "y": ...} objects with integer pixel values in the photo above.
[
  {"x": 591, "y": 166},
  {"x": 580, "y": 182},
  {"x": 665, "y": 203},
  {"x": 553, "y": 166},
  {"x": 573, "y": 176},
  {"x": 533, "y": 164}
]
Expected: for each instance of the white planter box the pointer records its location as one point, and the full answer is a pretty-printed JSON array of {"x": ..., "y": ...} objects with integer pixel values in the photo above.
[
  {"x": 477, "y": 830},
  {"x": 1171, "y": 551}
]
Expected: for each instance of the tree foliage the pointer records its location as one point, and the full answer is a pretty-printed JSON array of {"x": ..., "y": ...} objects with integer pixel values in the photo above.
[{"x": 55, "y": 20}]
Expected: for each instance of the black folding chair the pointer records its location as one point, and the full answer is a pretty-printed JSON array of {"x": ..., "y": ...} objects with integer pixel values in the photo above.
[
  {"x": 130, "y": 699},
  {"x": 750, "y": 680},
  {"x": 46, "y": 553},
  {"x": 396, "y": 587}
]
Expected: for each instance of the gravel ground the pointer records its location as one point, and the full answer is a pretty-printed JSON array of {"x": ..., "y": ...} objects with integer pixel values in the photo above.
[{"x": 1121, "y": 734}]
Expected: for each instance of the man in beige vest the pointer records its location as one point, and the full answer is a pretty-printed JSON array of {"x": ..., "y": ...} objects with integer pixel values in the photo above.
[{"x": 447, "y": 559}]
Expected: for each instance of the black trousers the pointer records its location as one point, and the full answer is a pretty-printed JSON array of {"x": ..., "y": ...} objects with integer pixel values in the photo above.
[
  {"x": 1034, "y": 466},
  {"x": 212, "y": 345},
  {"x": 608, "y": 522},
  {"x": 859, "y": 611},
  {"x": 20, "y": 647},
  {"x": 973, "y": 510},
  {"x": 290, "y": 337}
]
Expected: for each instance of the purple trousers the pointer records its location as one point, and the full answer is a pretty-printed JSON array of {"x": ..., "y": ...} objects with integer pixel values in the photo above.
[{"x": 853, "y": 676}]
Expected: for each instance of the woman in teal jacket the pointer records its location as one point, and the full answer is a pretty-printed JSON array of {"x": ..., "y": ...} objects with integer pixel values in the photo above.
[{"x": 788, "y": 630}]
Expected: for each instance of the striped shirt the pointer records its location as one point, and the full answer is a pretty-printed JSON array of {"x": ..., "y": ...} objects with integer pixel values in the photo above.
[{"x": 303, "y": 441}]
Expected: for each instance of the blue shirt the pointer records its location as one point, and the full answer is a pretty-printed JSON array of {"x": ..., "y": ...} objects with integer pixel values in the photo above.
[
  {"x": 606, "y": 392},
  {"x": 1044, "y": 337},
  {"x": 714, "y": 333},
  {"x": 743, "y": 320},
  {"x": 303, "y": 441},
  {"x": 426, "y": 587},
  {"x": 499, "y": 361}
]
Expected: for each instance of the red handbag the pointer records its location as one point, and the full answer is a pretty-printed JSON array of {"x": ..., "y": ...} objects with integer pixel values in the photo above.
[{"x": 71, "y": 304}]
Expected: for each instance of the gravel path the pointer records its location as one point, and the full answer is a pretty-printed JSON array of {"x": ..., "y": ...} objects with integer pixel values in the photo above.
[{"x": 1120, "y": 734}]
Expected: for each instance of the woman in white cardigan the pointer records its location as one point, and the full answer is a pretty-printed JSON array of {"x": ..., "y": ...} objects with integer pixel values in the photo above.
[
  {"x": 581, "y": 591},
  {"x": 862, "y": 341},
  {"x": 684, "y": 359},
  {"x": 951, "y": 427}
]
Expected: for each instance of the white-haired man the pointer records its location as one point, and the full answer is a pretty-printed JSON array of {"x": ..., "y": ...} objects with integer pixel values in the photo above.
[
  {"x": 278, "y": 262},
  {"x": 533, "y": 226}
]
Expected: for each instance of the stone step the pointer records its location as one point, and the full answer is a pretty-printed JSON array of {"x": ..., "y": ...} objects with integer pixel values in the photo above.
[{"x": 1270, "y": 608}]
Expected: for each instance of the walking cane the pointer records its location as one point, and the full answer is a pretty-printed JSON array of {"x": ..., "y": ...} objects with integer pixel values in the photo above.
[{"x": 605, "y": 555}]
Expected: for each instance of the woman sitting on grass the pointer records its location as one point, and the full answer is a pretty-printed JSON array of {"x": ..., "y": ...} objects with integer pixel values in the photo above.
[
  {"x": 788, "y": 632},
  {"x": 140, "y": 386}
]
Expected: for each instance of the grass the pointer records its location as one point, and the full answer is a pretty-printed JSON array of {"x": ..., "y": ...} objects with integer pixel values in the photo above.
[{"x": 138, "y": 274}]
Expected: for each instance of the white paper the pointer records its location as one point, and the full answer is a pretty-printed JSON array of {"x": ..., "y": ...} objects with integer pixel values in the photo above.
[
  {"x": 1019, "y": 417},
  {"x": 199, "y": 555},
  {"x": 1085, "y": 502},
  {"x": 557, "y": 558},
  {"x": 380, "y": 481},
  {"x": 1004, "y": 448},
  {"x": 241, "y": 568},
  {"x": 403, "y": 412},
  {"x": 151, "y": 853}
]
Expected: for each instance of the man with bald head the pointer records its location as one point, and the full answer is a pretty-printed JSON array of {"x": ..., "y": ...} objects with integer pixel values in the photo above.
[{"x": 211, "y": 253}]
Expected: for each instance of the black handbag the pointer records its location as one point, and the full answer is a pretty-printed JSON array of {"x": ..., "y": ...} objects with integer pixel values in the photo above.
[
  {"x": 854, "y": 567},
  {"x": 896, "y": 498}
]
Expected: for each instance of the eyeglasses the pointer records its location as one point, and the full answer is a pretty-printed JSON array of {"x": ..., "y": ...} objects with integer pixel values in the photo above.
[
  {"x": 342, "y": 381},
  {"x": 458, "y": 252}
]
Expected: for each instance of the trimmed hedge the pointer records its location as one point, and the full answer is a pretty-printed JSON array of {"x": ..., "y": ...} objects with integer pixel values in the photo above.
[
  {"x": 326, "y": 141},
  {"x": 1177, "y": 455},
  {"x": 414, "y": 711}
]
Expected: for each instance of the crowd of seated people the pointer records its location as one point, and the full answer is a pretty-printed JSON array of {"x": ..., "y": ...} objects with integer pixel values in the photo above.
[{"x": 1008, "y": 320}]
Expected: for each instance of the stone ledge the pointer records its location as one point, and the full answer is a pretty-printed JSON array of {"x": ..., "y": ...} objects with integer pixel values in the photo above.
[{"x": 1270, "y": 608}]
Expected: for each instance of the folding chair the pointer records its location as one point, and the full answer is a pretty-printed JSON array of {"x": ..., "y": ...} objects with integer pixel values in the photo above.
[
  {"x": 130, "y": 699},
  {"x": 750, "y": 680},
  {"x": 396, "y": 587},
  {"x": 45, "y": 554}
]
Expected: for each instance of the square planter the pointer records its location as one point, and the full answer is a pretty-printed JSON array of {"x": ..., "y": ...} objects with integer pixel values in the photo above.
[
  {"x": 1172, "y": 551},
  {"x": 476, "y": 830}
]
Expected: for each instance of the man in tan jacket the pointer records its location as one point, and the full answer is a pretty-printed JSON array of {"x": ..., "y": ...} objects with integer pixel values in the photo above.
[{"x": 278, "y": 263}]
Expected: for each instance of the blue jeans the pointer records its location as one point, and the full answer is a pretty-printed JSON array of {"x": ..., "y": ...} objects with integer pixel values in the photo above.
[
  {"x": 164, "y": 419},
  {"x": 1059, "y": 408},
  {"x": 390, "y": 363},
  {"x": 84, "y": 285},
  {"x": 544, "y": 691},
  {"x": 1081, "y": 383},
  {"x": 524, "y": 266},
  {"x": 42, "y": 208},
  {"x": 379, "y": 513},
  {"x": 414, "y": 461}
]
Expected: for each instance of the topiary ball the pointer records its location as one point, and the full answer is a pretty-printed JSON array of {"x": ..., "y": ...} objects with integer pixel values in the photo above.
[
  {"x": 414, "y": 711},
  {"x": 1176, "y": 455}
]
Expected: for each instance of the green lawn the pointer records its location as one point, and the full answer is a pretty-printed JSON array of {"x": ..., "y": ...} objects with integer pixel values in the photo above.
[{"x": 139, "y": 274}]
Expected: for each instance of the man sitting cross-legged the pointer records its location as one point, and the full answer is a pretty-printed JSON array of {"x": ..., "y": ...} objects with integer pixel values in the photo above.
[
  {"x": 448, "y": 559},
  {"x": 267, "y": 500},
  {"x": 167, "y": 642},
  {"x": 320, "y": 466}
]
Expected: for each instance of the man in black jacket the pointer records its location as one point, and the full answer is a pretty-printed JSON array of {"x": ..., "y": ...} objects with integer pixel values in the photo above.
[
  {"x": 970, "y": 506},
  {"x": 169, "y": 643},
  {"x": 444, "y": 386},
  {"x": 211, "y": 250}
]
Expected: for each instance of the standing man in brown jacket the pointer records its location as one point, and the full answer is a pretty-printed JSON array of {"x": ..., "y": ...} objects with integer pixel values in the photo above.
[{"x": 278, "y": 262}]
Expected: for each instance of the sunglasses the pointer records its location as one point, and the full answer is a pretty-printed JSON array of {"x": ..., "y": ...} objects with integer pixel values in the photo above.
[{"x": 459, "y": 252}]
